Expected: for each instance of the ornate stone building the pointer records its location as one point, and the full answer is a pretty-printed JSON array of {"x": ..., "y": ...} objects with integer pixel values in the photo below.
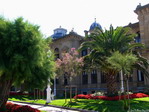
[{"x": 89, "y": 82}]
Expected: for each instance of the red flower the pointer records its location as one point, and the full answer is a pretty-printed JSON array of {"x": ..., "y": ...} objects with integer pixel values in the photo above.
[
  {"x": 19, "y": 108},
  {"x": 115, "y": 98}
]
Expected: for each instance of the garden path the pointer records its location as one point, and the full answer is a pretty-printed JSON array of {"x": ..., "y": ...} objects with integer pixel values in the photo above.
[{"x": 45, "y": 108}]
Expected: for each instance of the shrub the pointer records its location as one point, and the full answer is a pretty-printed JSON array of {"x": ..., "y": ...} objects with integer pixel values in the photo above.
[
  {"x": 82, "y": 96},
  {"x": 114, "y": 98},
  {"x": 19, "y": 108},
  {"x": 18, "y": 93}
]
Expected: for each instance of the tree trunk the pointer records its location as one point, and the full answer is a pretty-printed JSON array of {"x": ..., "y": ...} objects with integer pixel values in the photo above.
[
  {"x": 128, "y": 92},
  {"x": 5, "y": 86},
  {"x": 111, "y": 84},
  {"x": 70, "y": 89}
]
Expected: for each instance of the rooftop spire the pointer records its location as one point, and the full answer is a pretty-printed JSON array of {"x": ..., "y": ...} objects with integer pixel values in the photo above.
[{"x": 95, "y": 19}]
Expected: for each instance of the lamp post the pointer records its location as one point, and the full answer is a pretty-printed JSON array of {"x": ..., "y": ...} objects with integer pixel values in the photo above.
[
  {"x": 55, "y": 86},
  {"x": 122, "y": 82},
  {"x": 48, "y": 93}
]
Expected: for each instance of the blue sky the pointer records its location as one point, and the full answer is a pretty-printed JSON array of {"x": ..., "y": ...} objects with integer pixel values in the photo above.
[{"x": 77, "y": 14}]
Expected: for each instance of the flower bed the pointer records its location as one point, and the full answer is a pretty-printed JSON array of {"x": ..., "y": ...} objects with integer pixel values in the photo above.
[
  {"x": 19, "y": 108},
  {"x": 90, "y": 96},
  {"x": 19, "y": 93}
]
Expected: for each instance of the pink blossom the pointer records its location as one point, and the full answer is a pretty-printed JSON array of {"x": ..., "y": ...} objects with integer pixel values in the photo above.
[{"x": 69, "y": 62}]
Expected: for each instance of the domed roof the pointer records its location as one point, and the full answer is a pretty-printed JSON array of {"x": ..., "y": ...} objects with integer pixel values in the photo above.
[
  {"x": 59, "y": 32},
  {"x": 95, "y": 25}
]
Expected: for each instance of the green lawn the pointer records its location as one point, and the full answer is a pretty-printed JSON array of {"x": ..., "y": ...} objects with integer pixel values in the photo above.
[{"x": 98, "y": 105}]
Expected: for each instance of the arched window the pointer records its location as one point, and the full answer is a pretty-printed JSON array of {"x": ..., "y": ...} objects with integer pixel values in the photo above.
[
  {"x": 56, "y": 53},
  {"x": 94, "y": 77},
  {"x": 84, "y": 78}
]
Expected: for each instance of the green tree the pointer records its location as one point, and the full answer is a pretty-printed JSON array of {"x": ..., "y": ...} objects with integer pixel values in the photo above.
[
  {"x": 23, "y": 56},
  {"x": 102, "y": 45},
  {"x": 124, "y": 63},
  {"x": 41, "y": 74}
]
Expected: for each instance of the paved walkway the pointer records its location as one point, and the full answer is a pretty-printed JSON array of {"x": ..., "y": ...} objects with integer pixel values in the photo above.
[{"x": 46, "y": 108}]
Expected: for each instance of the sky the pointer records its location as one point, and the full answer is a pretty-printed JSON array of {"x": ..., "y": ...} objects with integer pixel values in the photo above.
[{"x": 72, "y": 14}]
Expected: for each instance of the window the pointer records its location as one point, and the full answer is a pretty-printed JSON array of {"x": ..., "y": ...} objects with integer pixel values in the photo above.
[
  {"x": 57, "y": 81},
  {"x": 138, "y": 38},
  {"x": 65, "y": 80},
  {"x": 84, "y": 52},
  {"x": 56, "y": 53},
  {"x": 140, "y": 76},
  {"x": 84, "y": 78},
  {"x": 94, "y": 77},
  {"x": 103, "y": 77},
  {"x": 118, "y": 77},
  {"x": 130, "y": 78}
]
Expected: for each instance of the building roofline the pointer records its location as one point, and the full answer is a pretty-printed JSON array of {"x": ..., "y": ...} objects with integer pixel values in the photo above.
[
  {"x": 139, "y": 7},
  {"x": 133, "y": 25},
  {"x": 71, "y": 33}
]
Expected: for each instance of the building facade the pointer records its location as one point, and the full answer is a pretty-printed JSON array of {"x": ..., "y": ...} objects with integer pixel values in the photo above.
[{"x": 93, "y": 81}]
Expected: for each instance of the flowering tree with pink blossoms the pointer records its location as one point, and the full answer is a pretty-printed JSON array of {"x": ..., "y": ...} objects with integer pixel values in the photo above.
[{"x": 70, "y": 64}]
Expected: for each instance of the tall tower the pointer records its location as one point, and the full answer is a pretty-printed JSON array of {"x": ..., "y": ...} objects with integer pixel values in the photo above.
[{"x": 143, "y": 16}]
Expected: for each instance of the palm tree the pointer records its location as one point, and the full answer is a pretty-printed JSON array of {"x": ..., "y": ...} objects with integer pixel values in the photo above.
[
  {"x": 102, "y": 45},
  {"x": 124, "y": 63}
]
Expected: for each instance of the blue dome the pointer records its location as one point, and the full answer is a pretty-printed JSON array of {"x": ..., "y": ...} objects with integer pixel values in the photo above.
[
  {"x": 95, "y": 25},
  {"x": 59, "y": 32}
]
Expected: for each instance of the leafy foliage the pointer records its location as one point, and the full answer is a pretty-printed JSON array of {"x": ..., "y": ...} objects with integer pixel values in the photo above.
[
  {"x": 103, "y": 44},
  {"x": 23, "y": 55},
  {"x": 123, "y": 62},
  {"x": 70, "y": 64}
]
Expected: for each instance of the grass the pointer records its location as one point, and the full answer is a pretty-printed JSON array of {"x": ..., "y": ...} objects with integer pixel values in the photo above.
[{"x": 97, "y": 105}]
